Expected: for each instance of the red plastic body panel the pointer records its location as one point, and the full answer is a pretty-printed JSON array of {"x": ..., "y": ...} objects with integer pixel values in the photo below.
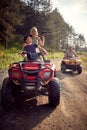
[
  {"x": 17, "y": 75},
  {"x": 31, "y": 66},
  {"x": 46, "y": 71}
]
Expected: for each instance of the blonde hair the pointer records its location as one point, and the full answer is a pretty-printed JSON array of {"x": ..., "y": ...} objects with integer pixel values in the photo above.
[
  {"x": 33, "y": 29},
  {"x": 72, "y": 46}
]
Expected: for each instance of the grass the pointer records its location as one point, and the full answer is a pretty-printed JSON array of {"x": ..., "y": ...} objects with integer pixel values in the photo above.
[
  {"x": 7, "y": 59},
  {"x": 54, "y": 55},
  {"x": 84, "y": 58},
  {"x": 11, "y": 55}
]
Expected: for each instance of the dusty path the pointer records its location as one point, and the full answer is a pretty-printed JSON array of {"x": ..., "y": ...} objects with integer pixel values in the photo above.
[{"x": 71, "y": 114}]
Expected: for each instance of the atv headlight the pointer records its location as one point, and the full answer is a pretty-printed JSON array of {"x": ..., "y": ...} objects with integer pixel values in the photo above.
[
  {"x": 15, "y": 73},
  {"x": 45, "y": 74}
]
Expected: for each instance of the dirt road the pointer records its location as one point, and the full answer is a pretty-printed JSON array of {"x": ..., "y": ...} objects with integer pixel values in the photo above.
[{"x": 71, "y": 114}]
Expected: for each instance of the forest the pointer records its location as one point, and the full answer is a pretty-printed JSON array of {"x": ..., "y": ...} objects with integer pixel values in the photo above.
[{"x": 18, "y": 16}]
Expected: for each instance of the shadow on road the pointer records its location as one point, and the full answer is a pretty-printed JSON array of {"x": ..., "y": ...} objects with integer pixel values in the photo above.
[
  {"x": 68, "y": 73},
  {"x": 24, "y": 116}
]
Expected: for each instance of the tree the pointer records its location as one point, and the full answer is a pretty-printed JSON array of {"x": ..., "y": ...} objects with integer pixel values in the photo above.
[
  {"x": 57, "y": 29},
  {"x": 39, "y": 5},
  {"x": 34, "y": 12},
  {"x": 9, "y": 18}
]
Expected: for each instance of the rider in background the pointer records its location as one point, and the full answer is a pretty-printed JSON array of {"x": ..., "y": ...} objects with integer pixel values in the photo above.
[{"x": 70, "y": 53}]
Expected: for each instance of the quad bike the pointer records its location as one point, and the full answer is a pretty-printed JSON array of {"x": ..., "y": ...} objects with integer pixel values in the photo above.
[
  {"x": 73, "y": 64},
  {"x": 31, "y": 78}
]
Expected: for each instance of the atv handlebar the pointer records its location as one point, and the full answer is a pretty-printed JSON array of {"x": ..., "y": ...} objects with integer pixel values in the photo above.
[
  {"x": 38, "y": 53},
  {"x": 31, "y": 56}
]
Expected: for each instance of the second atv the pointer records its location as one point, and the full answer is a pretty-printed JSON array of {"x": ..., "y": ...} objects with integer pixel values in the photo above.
[{"x": 73, "y": 64}]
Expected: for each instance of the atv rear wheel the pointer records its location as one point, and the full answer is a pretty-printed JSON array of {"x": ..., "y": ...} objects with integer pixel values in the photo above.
[
  {"x": 54, "y": 92},
  {"x": 79, "y": 69},
  {"x": 7, "y": 97}
]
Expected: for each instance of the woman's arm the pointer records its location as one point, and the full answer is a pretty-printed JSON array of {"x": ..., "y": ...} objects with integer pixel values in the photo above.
[
  {"x": 42, "y": 49},
  {"x": 41, "y": 40}
]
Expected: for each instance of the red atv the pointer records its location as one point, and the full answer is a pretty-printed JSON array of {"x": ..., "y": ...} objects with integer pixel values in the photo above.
[{"x": 30, "y": 78}]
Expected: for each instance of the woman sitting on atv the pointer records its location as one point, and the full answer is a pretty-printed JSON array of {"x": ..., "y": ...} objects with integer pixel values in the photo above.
[
  {"x": 70, "y": 53},
  {"x": 32, "y": 48}
]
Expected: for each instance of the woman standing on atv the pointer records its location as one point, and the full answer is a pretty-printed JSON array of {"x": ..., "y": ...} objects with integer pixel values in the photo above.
[{"x": 35, "y": 38}]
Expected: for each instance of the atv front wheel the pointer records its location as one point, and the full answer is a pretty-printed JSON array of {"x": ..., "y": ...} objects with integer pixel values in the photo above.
[
  {"x": 7, "y": 97},
  {"x": 54, "y": 92},
  {"x": 63, "y": 68}
]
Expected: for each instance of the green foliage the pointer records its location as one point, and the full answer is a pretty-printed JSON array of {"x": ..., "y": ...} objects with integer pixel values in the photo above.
[
  {"x": 57, "y": 29},
  {"x": 55, "y": 55},
  {"x": 84, "y": 58},
  {"x": 10, "y": 17},
  {"x": 9, "y": 56}
]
